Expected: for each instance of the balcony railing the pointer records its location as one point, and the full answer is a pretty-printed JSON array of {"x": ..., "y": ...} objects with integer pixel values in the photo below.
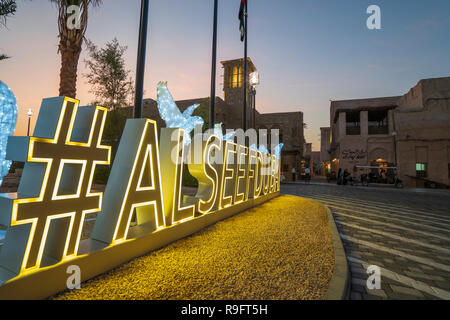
[
  {"x": 353, "y": 131},
  {"x": 378, "y": 130}
]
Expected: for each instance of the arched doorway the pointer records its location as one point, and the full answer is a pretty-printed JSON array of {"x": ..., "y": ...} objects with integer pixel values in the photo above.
[{"x": 382, "y": 160}]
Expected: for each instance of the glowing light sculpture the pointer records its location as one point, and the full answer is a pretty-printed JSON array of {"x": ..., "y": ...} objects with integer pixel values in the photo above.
[
  {"x": 8, "y": 117},
  {"x": 172, "y": 115},
  {"x": 263, "y": 149},
  {"x": 277, "y": 150},
  {"x": 227, "y": 137}
]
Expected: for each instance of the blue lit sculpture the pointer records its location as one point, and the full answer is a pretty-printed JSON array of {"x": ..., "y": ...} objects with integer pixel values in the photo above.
[
  {"x": 171, "y": 114},
  {"x": 262, "y": 148},
  {"x": 219, "y": 132},
  {"x": 8, "y": 117},
  {"x": 277, "y": 150}
]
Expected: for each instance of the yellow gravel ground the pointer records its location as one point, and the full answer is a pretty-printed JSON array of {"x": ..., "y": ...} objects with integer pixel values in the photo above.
[{"x": 279, "y": 250}]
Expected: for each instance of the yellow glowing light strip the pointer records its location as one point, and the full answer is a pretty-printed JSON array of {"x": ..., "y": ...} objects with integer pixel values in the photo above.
[
  {"x": 251, "y": 172},
  {"x": 266, "y": 166},
  {"x": 239, "y": 197},
  {"x": 258, "y": 185},
  {"x": 224, "y": 170},
  {"x": 274, "y": 172},
  {"x": 161, "y": 193},
  {"x": 16, "y": 202},
  {"x": 49, "y": 163},
  {"x": 177, "y": 206},
  {"x": 148, "y": 155},
  {"x": 207, "y": 160},
  {"x": 91, "y": 176},
  {"x": 125, "y": 198},
  {"x": 83, "y": 163}
]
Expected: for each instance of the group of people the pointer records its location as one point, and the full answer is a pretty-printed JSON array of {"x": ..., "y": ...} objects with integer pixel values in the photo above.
[
  {"x": 343, "y": 177},
  {"x": 307, "y": 174}
]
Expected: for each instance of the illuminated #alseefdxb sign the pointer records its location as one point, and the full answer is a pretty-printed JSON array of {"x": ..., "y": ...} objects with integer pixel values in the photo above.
[{"x": 142, "y": 201}]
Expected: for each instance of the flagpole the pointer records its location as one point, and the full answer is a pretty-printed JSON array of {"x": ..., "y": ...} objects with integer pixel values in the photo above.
[
  {"x": 244, "y": 111},
  {"x": 213, "y": 70},
  {"x": 140, "y": 67}
]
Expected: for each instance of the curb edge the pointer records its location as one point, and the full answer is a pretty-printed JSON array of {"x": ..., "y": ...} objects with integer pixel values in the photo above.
[{"x": 339, "y": 285}]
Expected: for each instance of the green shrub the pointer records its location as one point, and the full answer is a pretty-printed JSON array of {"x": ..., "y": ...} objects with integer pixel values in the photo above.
[
  {"x": 101, "y": 174},
  {"x": 188, "y": 180}
]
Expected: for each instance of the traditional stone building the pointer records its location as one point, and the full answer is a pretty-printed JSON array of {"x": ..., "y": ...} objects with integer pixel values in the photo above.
[
  {"x": 410, "y": 132},
  {"x": 228, "y": 111}
]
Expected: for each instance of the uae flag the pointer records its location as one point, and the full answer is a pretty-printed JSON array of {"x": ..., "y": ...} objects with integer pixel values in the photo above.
[{"x": 242, "y": 10}]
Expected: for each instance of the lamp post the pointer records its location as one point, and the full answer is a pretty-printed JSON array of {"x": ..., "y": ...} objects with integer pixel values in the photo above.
[
  {"x": 244, "y": 109},
  {"x": 213, "y": 70},
  {"x": 394, "y": 137},
  {"x": 29, "y": 113},
  {"x": 254, "y": 81},
  {"x": 140, "y": 67}
]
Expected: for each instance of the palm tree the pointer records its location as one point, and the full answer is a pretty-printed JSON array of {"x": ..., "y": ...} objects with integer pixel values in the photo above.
[
  {"x": 7, "y": 9},
  {"x": 70, "y": 42}
]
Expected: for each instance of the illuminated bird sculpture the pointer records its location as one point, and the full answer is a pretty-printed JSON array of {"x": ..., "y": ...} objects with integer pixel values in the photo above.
[
  {"x": 171, "y": 114},
  {"x": 262, "y": 148},
  {"x": 8, "y": 117},
  {"x": 228, "y": 136},
  {"x": 277, "y": 150}
]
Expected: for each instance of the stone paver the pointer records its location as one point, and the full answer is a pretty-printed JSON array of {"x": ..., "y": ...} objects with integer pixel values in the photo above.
[{"x": 405, "y": 232}]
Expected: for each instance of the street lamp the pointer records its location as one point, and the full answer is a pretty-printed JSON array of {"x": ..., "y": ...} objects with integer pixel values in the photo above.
[
  {"x": 29, "y": 113},
  {"x": 394, "y": 137},
  {"x": 254, "y": 81}
]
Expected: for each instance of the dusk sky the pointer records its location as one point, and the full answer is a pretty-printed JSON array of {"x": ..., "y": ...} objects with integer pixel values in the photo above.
[{"x": 308, "y": 52}]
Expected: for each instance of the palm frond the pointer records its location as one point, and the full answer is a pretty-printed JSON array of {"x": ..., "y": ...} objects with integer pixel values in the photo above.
[{"x": 7, "y": 9}]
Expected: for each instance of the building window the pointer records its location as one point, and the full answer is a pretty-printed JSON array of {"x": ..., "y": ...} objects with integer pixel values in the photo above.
[
  {"x": 378, "y": 122},
  {"x": 240, "y": 77},
  {"x": 235, "y": 77},
  {"x": 353, "y": 123},
  {"x": 229, "y": 77},
  {"x": 449, "y": 170},
  {"x": 421, "y": 170}
]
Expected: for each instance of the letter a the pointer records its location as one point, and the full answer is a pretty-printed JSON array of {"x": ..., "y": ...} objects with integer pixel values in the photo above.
[
  {"x": 374, "y": 21},
  {"x": 374, "y": 280},
  {"x": 134, "y": 185}
]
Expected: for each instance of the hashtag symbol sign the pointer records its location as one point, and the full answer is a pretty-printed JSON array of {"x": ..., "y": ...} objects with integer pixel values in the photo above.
[{"x": 60, "y": 163}]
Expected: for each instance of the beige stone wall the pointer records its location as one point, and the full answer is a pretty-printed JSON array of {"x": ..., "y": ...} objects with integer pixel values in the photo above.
[
  {"x": 418, "y": 132},
  {"x": 422, "y": 122},
  {"x": 290, "y": 126}
]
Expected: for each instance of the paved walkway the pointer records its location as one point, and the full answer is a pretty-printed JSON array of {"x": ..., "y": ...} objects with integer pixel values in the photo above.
[{"x": 406, "y": 233}]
